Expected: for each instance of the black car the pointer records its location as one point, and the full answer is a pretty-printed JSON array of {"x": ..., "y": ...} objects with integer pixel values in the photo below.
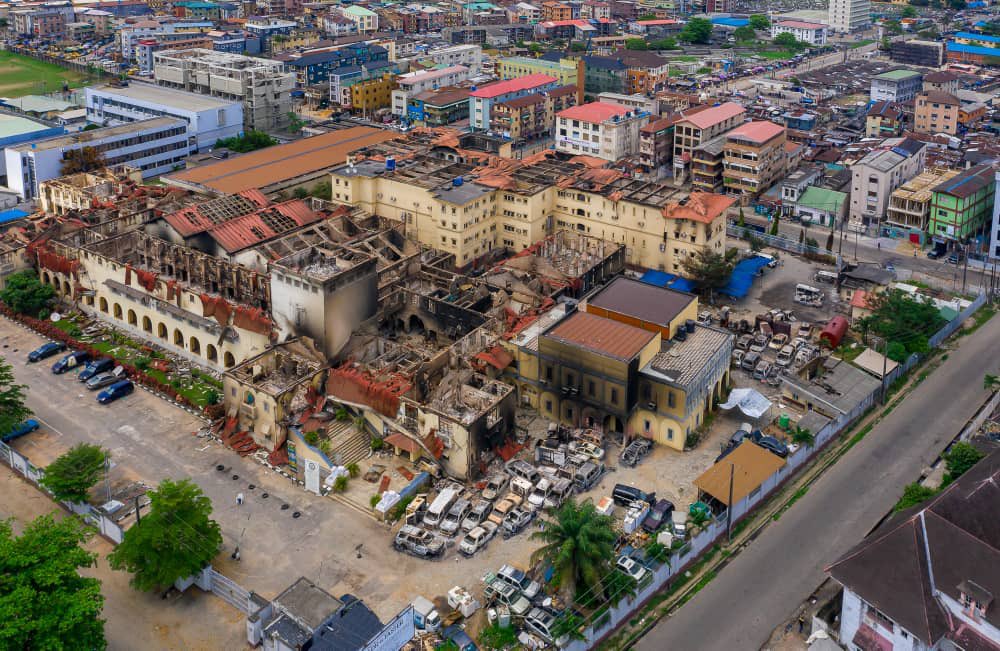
[
  {"x": 70, "y": 361},
  {"x": 96, "y": 367},
  {"x": 934, "y": 254},
  {"x": 46, "y": 350},
  {"x": 773, "y": 445},
  {"x": 625, "y": 495},
  {"x": 657, "y": 515}
]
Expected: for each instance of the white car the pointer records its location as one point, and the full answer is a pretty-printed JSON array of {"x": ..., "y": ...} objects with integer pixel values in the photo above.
[
  {"x": 632, "y": 567},
  {"x": 586, "y": 447},
  {"x": 476, "y": 539},
  {"x": 778, "y": 341}
]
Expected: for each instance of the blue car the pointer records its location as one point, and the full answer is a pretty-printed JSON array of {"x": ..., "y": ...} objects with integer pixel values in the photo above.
[
  {"x": 46, "y": 350},
  {"x": 69, "y": 361},
  {"x": 27, "y": 427},
  {"x": 96, "y": 367},
  {"x": 115, "y": 391}
]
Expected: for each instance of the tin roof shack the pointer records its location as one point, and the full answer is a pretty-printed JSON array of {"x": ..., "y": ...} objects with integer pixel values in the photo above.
[
  {"x": 86, "y": 189},
  {"x": 265, "y": 392},
  {"x": 830, "y": 386},
  {"x": 325, "y": 293}
]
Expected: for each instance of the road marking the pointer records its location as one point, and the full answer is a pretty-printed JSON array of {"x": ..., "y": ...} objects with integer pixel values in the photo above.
[{"x": 48, "y": 424}]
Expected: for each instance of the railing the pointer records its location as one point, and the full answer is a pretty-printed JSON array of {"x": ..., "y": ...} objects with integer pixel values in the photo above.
[{"x": 778, "y": 242}]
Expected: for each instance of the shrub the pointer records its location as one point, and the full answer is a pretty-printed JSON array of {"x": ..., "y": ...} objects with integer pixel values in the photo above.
[
  {"x": 374, "y": 500},
  {"x": 340, "y": 484},
  {"x": 141, "y": 363},
  {"x": 353, "y": 470},
  {"x": 377, "y": 444},
  {"x": 312, "y": 438}
]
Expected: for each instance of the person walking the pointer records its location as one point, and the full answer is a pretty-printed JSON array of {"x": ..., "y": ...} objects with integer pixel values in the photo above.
[{"x": 239, "y": 499}]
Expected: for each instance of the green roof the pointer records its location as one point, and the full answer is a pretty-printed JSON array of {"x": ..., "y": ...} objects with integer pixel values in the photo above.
[
  {"x": 355, "y": 10},
  {"x": 898, "y": 75},
  {"x": 11, "y": 125},
  {"x": 822, "y": 199},
  {"x": 948, "y": 313}
]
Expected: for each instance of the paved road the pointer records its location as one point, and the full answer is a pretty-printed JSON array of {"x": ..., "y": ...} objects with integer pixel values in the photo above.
[{"x": 765, "y": 583}]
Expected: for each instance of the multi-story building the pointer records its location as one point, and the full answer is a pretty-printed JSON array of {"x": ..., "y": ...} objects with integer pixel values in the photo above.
[
  {"x": 366, "y": 19},
  {"x": 567, "y": 71},
  {"x": 708, "y": 165},
  {"x": 261, "y": 84},
  {"x": 807, "y": 32},
  {"x": 482, "y": 100},
  {"x": 164, "y": 30},
  {"x": 693, "y": 129},
  {"x": 607, "y": 131},
  {"x": 962, "y": 206},
  {"x": 970, "y": 47},
  {"x": 942, "y": 80},
  {"x": 846, "y": 16},
  {"x": 336, "y": 25},
  {"x": 936, "y": 111},
  {"x": 531, "y": 117},
  {"x": 896, "y": 85},
  {"x": 315, "y": 67},
  {"x": 45, "y": 21},
  {"x": 101, "y": 20},
  {"x": 873, "y": 179},
  {"x": 994, "y": 235},
  {"x": 79, "y": 32},
  {"x": 209, "y": 119},
  {"x": 884, "y": 120},
  {"x": 553, "y": 10},
  {"x": 369, "y": 95},
  {"x": 910, "y": 204},
  {"x": 604, "y": 75},
  {"x": 645, "y": 72},
  {"x": 925, "y": 578},
  {"x": 438, "y": 107},
  {"x": 918, "y": 52},
  {"x": 470, "y": 56},
  {"x": 145, "y": 48},
  {"x": 754, "y": 157},
  {"x": 524, "y": 12},
  {"x": 268, "y": 27},
  {"x": 414, "y": 83},
  {"x": 154, "y": 146},
  {"x": 656, "y": 144}
]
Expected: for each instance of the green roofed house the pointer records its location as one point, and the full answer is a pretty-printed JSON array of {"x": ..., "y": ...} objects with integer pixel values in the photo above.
[
  {"x": 896, "y": 85},
  {"x": 821, "y": 206},
  {"x": 962, "y": 205},
  {"x": 365, "y": 19}
]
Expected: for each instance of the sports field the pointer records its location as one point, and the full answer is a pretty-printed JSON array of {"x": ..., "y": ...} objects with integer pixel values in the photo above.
[{"x": 21, "y": 75}]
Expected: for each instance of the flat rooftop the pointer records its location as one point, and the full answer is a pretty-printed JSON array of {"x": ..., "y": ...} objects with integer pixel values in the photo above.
[
  {"x": 12, "y": 125},
  {"x": 321, "y": 263},
  {"x": 85, "y": 137},
  {"x": 681, "y": 362},
  {"x": 281, "y": 162},
  {"x": 166, "y": 96},
  {"x": 642, "y": 301},
  {"x": 605, "y": 337}
]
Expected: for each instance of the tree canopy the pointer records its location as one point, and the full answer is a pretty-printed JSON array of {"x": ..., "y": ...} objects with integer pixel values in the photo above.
[
  {"x": 958, "y": 459},
  {"x": 708, "y": 269},
  {"x": 12, "y": 396},
  {"x": 636, "y": 44},
  {"x": 84, "y": 159},
  {"x": 71, "y": 476},
  {"x": 909, "y": 12},
  {"x": 25, "y": 293},
  {"x": 898, "y": 317},
  {"x": 697, "y": 30},
  {"x": 914, "y": 494},
  {"x": 249, "y": 141},
  {"x": 44, "y": 602},
  {"x": 175, "y": 540},
  {"x": 787, "y": 41},
  {"x": 579, "y": 543},
  {"x": 745, "y": 33},
  {"x": 759, "y": 21}
]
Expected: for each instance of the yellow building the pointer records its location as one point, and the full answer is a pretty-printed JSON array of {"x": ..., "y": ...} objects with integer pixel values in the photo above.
[
  {"x": 373, "y": 94},
  {"x": 567, "y": 71},
  {"x": 754, "y": 157}
]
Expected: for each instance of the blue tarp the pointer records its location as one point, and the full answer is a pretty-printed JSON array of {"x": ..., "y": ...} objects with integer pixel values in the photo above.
[
  {"x": 11, "y": 215},
  {"x": 663, "y": 279},
  {"x": 742, "y": 279}
]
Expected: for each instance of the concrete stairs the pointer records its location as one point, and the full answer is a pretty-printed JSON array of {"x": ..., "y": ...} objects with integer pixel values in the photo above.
[{"x": 346, "y": 443}]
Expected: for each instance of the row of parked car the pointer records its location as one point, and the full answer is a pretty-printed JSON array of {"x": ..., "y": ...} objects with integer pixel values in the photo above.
[
  {"x": 747, "y": 433},
  {"x": 101, "y": 373}
]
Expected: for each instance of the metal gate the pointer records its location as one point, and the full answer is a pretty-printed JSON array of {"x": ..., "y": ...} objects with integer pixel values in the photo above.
[{"x": 231, "y": 592}]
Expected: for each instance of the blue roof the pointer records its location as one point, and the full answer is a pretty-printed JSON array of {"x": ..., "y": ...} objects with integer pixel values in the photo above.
[
  {"x": 978, "y": 37},
  {"x": 11, "y": 215},
  {"x": 973, "y": 49},
  {"x": 729, "y": 21},
  {"x": 663, "y": 279},
  {"x": 743, "y": 274}
]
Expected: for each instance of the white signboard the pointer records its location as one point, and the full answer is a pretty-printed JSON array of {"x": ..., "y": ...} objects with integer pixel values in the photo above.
[
  {"x": 312, "y": 476},
  {"x": 395, "y": 634}
]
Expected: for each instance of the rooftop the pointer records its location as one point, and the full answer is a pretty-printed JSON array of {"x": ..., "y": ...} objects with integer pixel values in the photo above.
[
  {"x": 37, "y": 104},
  {"x": 321, "y": 263},
  {"x": 710, "y": 117},
  {"x": 527, "y": 82},
  {"x": 704, "y": 207},
  {"x": 759, "y": 131},
  {"x": 411, "y": 78},
  {"x": 642, "y": 301},
  {"x": 747, "y": 466},
  {"x": 13, "y": 125},
  {"x": 841, "y": 387},
  {"x": 822, "y": 199},
  {"x": 940, "y": 97},
  {"x": 682, "y": 362},
  {"x": 594, "y": 112},
  {"x": 443, "y": 96},
  {"x": 281, "y": 368},
  {"x": 602, "y": 336},
  {"x": 897, "y": 75},
  {"x": 84, "y": 138},
  {"x": 967, "y": 183},
  {"x": 165, "y": 96},
  {"x": 940, "y": 77},
  {"x": 800, "y": 24}
]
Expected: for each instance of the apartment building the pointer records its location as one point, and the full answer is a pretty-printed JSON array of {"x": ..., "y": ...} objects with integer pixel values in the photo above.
[
  {"x": 694, "y": 128},
  {"x": 364, "y": 18},
  {"x": 936, "y": 111},
  {"x": 163, "y": 30},
  {"x": 553, "y": 11},
  {"x": 470, "y": 56},
  {"x": 153, "y": 146},
  {"x": 942, "y": 80},
  {"x": 994, "y": 235},
  {"x": 846, "y": 16},
  {"x": 884, "y": 120},
  {"x": 656, "y": 144},
  {"x": 607, "y": 131},
  {"x": 261, "y": 85},
  {"x": 482, "y": 100},
  {"x": 873, "y": 179},
  {"x": 46, "y": 21},
  {"x": 708, "y": 165},
  {"x": 414, "y": 83},
  {"x": 896, "y": 85},
  {"x": 910, "y": 204},
  {"x": 567, "y": 71},
  {"x": 753, "y": 157},
  {"x": 315, "y": 66},
  {"x": 645, "y": 72},
  {"x": 209, "y": 119},
  {"x": 918, "y": 52},
  {"x": 532, "y": 117},
  {"x": 438, "y": 107},
  {"x": 804, "y": 31},
  {"x": 962, "y": 206}
]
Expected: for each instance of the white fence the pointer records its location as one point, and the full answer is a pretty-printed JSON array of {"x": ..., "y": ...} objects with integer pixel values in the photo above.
[
  {"x": 606, "y": 621},
  {"x": 783, "y": 243}
]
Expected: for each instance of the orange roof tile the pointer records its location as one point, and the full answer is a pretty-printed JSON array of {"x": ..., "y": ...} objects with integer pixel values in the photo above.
[
  {"x": 703, "y": 207},
  {"x": 709, "y": 117},
  {"x": 593, "y": 112},
  {"x": 513, "y": 85},
  {"x": 758, "y": 131},
  {"x": 603, "y": 336}
]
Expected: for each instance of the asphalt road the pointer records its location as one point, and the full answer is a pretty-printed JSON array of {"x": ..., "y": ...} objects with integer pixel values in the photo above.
[{"x": 765, "y": 583}]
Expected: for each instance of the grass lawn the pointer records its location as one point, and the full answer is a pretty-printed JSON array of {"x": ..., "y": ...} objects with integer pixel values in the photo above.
[
  {"x": 677, "y": 73},
  {"x": 688, "y": 58},
  {"x": 21, "y": 75},
  {"x": 862, "y": 43},
  {"x": 776, "y": 54}
]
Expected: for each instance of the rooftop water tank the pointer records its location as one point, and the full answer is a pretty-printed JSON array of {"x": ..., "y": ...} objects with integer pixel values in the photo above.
[
  {"x": 390, "y": 164},
  {"x": 458, "y": 181}
]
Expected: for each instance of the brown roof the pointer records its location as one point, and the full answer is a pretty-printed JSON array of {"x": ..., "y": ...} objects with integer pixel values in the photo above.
[
  {"x": 443, "y": 96},
  {"x": 940, "y": 77},
  {"x": 527, "y": 100},
  {"x": 569, "y": 89},
  {"x": 940, "y": 97},
  {"x": 653, "y": 127},
  {"x": 942, "y": 544},
  {"x": 753, "y": 464},
  {"x": 642, "y": 301},
  {"x": 603, "y": 336},
  {"x": 282, "y": 162},
  {"x": 640, "y": 59}
]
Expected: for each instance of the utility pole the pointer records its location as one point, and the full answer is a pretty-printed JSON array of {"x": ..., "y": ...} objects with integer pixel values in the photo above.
[
  {"x": 107, "y": 481},
  {"x": 729, "y": 511},
  {"x": 885, "y": 363}
]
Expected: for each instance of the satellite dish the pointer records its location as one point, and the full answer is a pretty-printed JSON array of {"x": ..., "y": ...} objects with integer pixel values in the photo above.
[{"x": 55, "y": 316}]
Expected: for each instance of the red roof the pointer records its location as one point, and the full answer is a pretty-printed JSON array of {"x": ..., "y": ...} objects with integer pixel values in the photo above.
[
  {"x": 248, "y": 230},
  {"x": 704, "y": 207},
  {"x": 602, "y": 336},
  {"x": 593, "y": 112},
  {"x": 710, "y": 117},
  {"x": 527, "y": 82},
  {"x": 758, "y": 131}
]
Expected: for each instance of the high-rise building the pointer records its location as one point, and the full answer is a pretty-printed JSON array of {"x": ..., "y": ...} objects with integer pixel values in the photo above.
[{"x": 849, "y": 15}]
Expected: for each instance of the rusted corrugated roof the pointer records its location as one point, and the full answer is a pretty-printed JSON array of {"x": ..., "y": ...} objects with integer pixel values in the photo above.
[
  {"x": 603, "y": 336},
  {"x": 250, "y": 230}
]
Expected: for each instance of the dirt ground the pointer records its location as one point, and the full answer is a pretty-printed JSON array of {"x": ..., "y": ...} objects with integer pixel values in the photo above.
[{"x": 135, "y": 620}]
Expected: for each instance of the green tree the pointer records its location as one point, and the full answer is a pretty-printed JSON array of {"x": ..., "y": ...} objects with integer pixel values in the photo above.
[
  {"x": 250, "y": 141},
  {"x": 353, "y": 470},
  {"x": 744, "y": 34},
  {"x": 12, "y": 396},
  {"x": 300, "y": 193},
  {"x": 909, "y": 12},
  {"x": 697, "y": 30},
  {"x": 667, "y": 43},
  {"x": 498, "y": 637},
  {"x": 25, "y": 293},
  {"x": 646, "y": 17},
  {"x": 760, "y": 21},
  {"x": 788, "y": 42},
  {"x": 958, "y": 459},
  {"x": 71, "y": 476},
  {"x": 44, "y": 602},
  {"x": 636, "y": 44},
  {"x": 618, "y": 586},
  {"x": 295, "y": 123},
  {"x": 774, "y": 225},
  {"x": 570, "y": 625},
  {"x": 892, "y": 26},
  {"x": 896, "y": 316},
  {"x": 536, "y": 48},
  {"x": 896, "y": 352},
  {"x": 741, "y": 222},
  {"x": 803, "y": 436},
  {"x": 577, "y": 46},
  {"x": 84, "y": 159},
  {"x": 340, "y": 484},
  {"x": 176, "y": 539},
  {"x": 914, "y": 494},
  {"x": 991, "y": 382},
  {"x": 578, "y": 543},
  {"x": 708, "y": 269},
  {"x": 322, "y": 190}
]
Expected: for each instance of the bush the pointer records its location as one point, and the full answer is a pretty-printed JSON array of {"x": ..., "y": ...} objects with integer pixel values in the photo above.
[
  {"x": 141, "y": 363},
  {"x": 340, "y": 484},
  {"x": 212, "y": 397},
  {"x": 377, "y": 444},
  {"x": 374, "y": 500},
  {"x": 353, "y": 470},
  {"x": 312, "y": 438}
]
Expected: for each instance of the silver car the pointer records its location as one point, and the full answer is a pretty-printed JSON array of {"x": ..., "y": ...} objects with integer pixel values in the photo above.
[{"x": 102, "y": 380}]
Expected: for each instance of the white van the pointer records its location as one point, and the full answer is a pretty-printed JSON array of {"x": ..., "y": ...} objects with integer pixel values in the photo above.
[
  {"x": 772, "y": 261},
  {"x": 439, "y": 507}
]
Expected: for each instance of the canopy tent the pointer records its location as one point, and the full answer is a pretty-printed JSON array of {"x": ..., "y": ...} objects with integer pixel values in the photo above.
[{"x": 750, "y": 401}]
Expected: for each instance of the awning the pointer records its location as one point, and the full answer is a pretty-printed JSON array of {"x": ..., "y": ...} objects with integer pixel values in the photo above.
[
  {"x": 402, "y": 442},
  {"x": 750, "y": 401}
]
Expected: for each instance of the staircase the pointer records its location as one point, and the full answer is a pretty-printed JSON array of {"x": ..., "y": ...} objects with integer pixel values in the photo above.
[{"x": 347, "y": 444}]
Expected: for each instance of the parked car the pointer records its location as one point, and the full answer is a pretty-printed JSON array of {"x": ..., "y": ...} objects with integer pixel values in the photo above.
[
  {"x": 477, "y": 538},
  {"x": 934, "y": 254},
  {"x": 418, "y": 542},
  {"x": 738, "y": 357},
  {"x": 94, "y": 367},
  {"x": 477, "y": 515},
  {"x": 744, "y": 341},
  {"x": 500, "y": 591},
  {"x": 588, "y": 449},
  {"x": 778, "y": 341},
  {"x": 542, "y": 621},
  {"x": 70, "y": 360},
  {"x": 453, "y": 519},
  {"x": 101, "y": 380},
  {"x": 495, "y": 485},
  {"x": 624, "y": 495},
  {"x": 503, "y": 507},
  {"x": 657, "y": 515},
  {"x": 115, "y": 391},
  {"x": 636, "y": 451},
  {"x": 785, "y": 356},
  {"x": 520, "y": 580},
  {"x": 750, "y": 361},
  {"x": 632, "y": 567},
  {"x": 759, "y": 343},
  {"x": 516, "y": 520},
  {"x": 772, "y": 444},
  {"x": 955, "y": 258},
  {"x": 762, "y": 369},
  {"x": 523, "y": 469},
  {"x": 804, "y": 330},
  {"x": 27, "y": 427},
  {"x": 46, "y": 350}
]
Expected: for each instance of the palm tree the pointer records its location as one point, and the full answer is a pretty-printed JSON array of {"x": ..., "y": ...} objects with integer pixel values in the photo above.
[
  {"x": 579, "y": 544},
  {"x": 991, "y": 382}
]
